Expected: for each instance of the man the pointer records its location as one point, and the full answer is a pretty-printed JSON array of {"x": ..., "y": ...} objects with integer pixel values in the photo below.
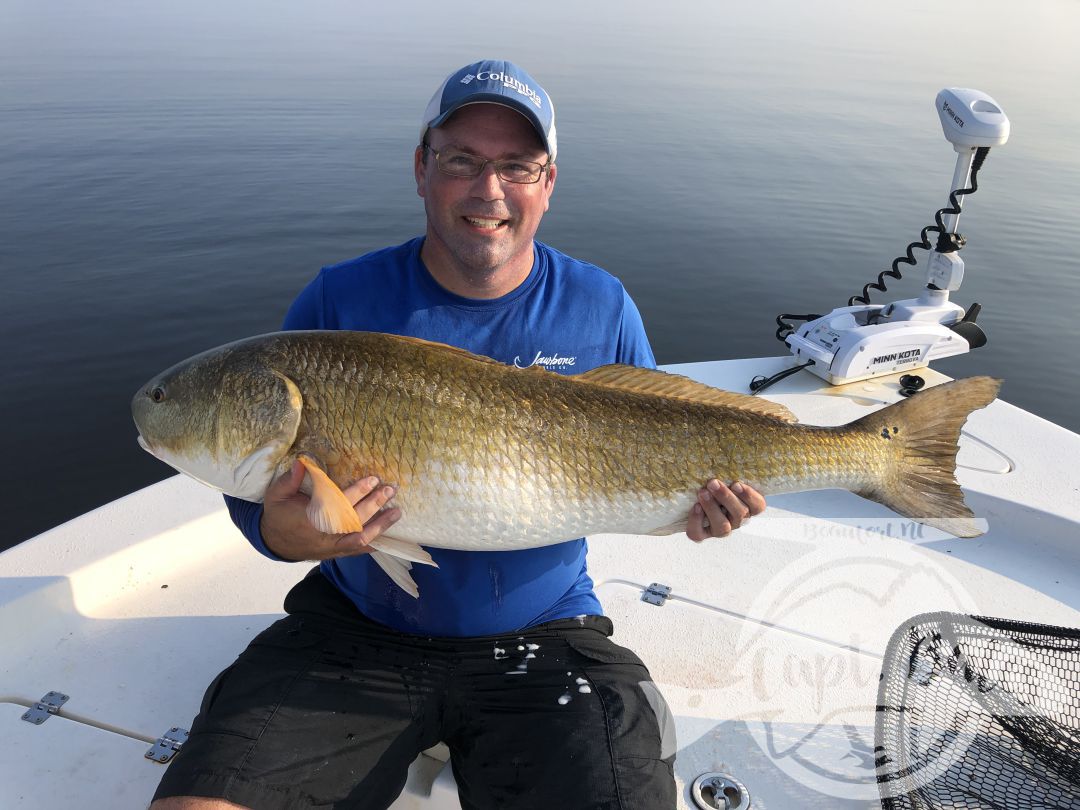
[{"x": 505, "y": 657}]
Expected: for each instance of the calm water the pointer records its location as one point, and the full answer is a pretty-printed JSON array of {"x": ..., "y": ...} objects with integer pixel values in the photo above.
[{"x": 171, "y": 176}]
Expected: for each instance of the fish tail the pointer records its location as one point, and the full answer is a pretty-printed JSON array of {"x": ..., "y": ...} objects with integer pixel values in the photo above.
[{"x": 922, "y": 433}]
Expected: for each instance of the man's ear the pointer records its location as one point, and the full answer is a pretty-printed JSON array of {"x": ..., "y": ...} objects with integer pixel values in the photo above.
[
  {"x": 549, "y": 185},
  {"x": 419, "y": 170}
]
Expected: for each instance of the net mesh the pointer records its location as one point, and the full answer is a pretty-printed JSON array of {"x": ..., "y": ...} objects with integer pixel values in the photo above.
[{"x": 979, "y": 713}]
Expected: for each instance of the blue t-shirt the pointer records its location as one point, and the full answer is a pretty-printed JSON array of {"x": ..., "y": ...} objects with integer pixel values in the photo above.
[{"x": 568, "y": 316}]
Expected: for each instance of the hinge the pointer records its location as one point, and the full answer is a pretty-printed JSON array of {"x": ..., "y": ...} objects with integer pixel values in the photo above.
[
  {"x": 48, "y": 705},
  {"x": 167, "y": 744},
  {"x": 656, "y": 594}
]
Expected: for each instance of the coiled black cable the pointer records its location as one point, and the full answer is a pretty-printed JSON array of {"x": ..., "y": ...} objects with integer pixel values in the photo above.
[{"x": 947, "y": 243}]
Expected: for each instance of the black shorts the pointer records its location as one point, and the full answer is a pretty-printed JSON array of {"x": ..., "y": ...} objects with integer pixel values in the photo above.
[{"x": 326, "y": 708}]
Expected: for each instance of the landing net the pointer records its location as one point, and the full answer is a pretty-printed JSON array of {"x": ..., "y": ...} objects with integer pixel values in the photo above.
[{"x": 979, "y": 713}]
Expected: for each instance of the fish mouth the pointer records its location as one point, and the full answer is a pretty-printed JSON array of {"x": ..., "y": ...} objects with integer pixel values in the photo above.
[{"x": 145, "y": 445}]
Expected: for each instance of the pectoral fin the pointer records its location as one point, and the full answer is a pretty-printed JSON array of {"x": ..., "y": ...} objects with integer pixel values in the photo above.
[{"x": 329, "y": 509}]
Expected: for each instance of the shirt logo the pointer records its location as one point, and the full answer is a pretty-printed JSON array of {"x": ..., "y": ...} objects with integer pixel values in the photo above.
[{"x": 550, "y": 362}]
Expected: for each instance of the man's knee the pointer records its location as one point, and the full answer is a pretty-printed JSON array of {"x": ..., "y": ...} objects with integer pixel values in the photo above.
[{"x": 194, "y": 803}]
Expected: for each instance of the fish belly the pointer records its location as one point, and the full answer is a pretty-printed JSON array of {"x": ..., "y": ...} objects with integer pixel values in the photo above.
[{"x": 493, "y": 519}]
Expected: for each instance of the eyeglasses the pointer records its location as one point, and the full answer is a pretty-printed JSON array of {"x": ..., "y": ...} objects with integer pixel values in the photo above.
[{"x": 456, "y": 163}]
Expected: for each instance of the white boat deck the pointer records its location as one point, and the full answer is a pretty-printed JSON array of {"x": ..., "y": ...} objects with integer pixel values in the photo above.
[{"x": 768, "y": 650}]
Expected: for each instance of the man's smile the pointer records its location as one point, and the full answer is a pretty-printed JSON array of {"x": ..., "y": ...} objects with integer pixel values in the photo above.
[{"x": 485, "y": 223}]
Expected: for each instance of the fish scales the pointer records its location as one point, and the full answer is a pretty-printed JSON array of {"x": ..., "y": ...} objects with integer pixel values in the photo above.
[
  {"x": 488, "y": 456},
  {"x": 591, "y": 448},
  {"x": 425, "y": 427}
]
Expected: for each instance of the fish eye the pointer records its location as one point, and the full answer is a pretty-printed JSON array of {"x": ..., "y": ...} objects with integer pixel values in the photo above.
[{"x": 157, "y": 393}]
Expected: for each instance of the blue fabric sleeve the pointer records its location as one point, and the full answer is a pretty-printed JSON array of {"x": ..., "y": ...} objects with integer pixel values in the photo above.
[
  {"x": 247, "y": 515},
  {"x": 633, "y": 348},
  {"x": 308, "y": 311}
]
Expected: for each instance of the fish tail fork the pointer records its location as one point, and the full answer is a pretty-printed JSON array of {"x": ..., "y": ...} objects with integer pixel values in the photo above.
[{"x": 919, "y": 437}]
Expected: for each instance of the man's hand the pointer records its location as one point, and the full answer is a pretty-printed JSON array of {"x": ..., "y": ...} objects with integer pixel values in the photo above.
[
  {"x": 721, "y": 509},
  {"x": 289, "y": 534}
]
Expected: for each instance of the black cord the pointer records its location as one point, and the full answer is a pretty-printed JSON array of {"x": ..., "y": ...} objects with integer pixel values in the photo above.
[
  {"x": 760, "y": 383},
  {"x": 783, "y": 328}
]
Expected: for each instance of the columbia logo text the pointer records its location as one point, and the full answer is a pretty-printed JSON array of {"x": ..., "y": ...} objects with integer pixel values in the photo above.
[{"x": 510, "y": 82}]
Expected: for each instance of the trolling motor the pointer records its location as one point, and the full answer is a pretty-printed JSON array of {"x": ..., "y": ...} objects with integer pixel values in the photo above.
[{"x": 864, "y": 340}]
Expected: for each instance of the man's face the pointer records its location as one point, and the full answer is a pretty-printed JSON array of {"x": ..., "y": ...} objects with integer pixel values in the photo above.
[{"x": 482, "y": 227}]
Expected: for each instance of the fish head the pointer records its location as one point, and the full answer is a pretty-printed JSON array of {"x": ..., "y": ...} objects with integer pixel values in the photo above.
[{"x": 226, "y": 418}]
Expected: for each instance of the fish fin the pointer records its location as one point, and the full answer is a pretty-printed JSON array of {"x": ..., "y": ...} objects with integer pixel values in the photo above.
[
  {"x": 671, "y": 528},
  {"x": 398, "y": 570},
  {"x": 329, "y": 510},
  {"x": 444, "y": 347},
  {"x": 402, "y": 549},
  {"x": 675, "y": 386},
  {"x": 645, "y": 381},
  {"x": 923, "y": 432}
]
